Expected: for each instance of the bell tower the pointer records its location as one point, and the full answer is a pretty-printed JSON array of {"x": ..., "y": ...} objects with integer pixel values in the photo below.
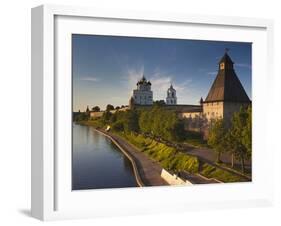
[
  {"x": 225, "y": 63},
  {"x": 171, "y": 98}
]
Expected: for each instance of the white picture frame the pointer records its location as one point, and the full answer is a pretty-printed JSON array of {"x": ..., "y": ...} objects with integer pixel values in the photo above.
[{"x": 52, "y": 197}]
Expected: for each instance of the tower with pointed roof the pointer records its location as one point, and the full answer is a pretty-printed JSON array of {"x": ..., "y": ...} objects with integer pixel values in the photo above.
[
  {"x": 227, "y": 94},
  {"x": 143, "y": 95},
  {"x": 201, "y": 101},
  {"x": 171, "y": 98}
]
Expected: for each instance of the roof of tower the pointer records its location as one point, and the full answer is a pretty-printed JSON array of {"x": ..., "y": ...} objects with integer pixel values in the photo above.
[
  {"x": 171, "y": 87},
  {"x": 226, "y": 59},
  {"x": 227, "y": 86}
]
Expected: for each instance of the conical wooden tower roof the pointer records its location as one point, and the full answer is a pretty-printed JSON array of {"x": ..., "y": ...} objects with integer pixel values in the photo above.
[{"x": 227, "y": 86}]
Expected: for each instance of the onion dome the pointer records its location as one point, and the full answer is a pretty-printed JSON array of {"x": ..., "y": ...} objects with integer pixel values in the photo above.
[{"x": 143, "y": 81}]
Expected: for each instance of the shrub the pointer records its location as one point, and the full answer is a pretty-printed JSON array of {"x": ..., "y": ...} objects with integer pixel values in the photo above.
[{"x": 118, "y": 126}]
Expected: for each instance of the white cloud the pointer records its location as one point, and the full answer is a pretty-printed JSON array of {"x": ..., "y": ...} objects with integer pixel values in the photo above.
[
  {"x": 133, "y": 75},
  {"x": 89, "y": 79},
  {"x": 212, "y": 73},
  {"x": 243, "y": 65},
  {"x": 160, "y": 83}
]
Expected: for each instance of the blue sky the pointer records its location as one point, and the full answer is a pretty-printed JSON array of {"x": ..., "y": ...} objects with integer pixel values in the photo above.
[{"x": 107, "y": 68}]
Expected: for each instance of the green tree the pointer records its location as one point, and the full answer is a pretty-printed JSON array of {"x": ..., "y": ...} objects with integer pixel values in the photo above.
[
  {"x": 162, "y": 123},
  {"x": 118, "y": 126},
  {"x": 240, "y": 136},
  {"x": 131, "y": 123},
  {"x": 82, "y": 116},
  {"x": 217, "y": 137},
  {"x": 109, "y": 107},
  {"x": 106, "y": 116},
  {"x": 113, "y": 118},
  {"x": 247, "y": 132},
  {"x": 96, "y": 109},
  {"x": 178, "y": 131},
  {"x": 159, "y": 103},
  {"x": 145, "y": 121}
]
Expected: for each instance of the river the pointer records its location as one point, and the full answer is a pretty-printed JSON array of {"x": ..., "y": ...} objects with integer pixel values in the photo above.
[{"x": 97, "y": 162}]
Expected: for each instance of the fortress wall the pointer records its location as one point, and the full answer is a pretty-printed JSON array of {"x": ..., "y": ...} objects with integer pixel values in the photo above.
[
  {"x": 178, "y": 108},
  {"x": 230, "y": 108},
  {"x": 213, "y": 110},
  {"x": 96, "y": 114},
  {"x": 191, "y": 115}
]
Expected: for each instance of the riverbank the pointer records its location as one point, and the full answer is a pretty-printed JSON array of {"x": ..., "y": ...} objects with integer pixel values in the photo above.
[{"x": 172, "y": 159}]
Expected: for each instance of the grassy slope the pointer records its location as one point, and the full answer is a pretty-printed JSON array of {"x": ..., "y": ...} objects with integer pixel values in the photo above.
[
  {"x": 168, "y": 157},
  {"x": 171, "y": 159},
  {"x": 219, "y": 174}
]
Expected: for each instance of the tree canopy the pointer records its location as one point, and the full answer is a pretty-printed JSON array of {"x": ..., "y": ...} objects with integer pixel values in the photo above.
[
  {"x": 109, "y": 107},
  {"x": 162, "y": 123},
  {"x": 96, "y": 109},
  {"x": 217, "y": 135},
  {"x": 236, "y": 139}
]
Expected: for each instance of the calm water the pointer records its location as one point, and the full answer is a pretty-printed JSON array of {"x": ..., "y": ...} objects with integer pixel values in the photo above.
[{"x": 97, "y": 162}]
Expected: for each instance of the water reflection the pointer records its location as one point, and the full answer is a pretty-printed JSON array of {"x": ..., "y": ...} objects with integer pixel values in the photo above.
[{"x": 97, "y": 162}]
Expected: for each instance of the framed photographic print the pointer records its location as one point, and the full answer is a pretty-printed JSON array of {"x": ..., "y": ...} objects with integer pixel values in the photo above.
[{"x": 136, "y": 112}]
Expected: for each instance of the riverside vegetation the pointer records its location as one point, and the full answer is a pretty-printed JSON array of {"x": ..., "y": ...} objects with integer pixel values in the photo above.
[{"x": 152, "y": 130}]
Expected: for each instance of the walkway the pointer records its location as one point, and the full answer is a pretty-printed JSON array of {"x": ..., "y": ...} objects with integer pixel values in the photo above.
[{"x": 209, "y": 156}]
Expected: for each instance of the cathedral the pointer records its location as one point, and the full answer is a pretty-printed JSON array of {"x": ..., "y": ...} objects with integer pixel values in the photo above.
[
  {"x": 143, "y": 94},
  {"x": 225, "y": 97}
]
